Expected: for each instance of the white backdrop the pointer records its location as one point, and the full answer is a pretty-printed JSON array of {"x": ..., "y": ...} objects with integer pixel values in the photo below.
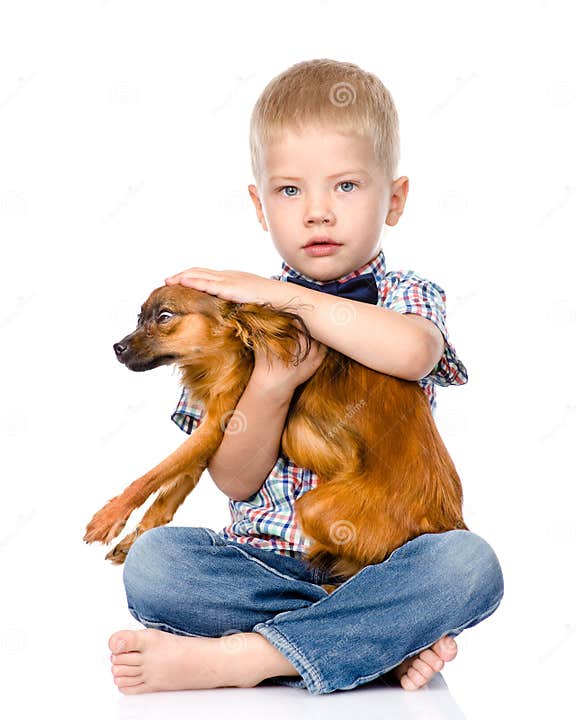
[{"x": 124, "y": 159}]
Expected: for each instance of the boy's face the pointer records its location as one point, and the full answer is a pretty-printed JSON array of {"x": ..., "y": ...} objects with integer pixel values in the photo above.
[{"x": 322, "y": 183}]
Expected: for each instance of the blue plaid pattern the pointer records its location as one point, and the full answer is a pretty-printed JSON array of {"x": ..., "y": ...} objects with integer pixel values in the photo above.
[{"x": 267, "y": 520}]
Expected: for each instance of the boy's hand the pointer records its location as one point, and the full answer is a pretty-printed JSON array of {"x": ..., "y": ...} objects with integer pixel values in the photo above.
[
  {"x": 232, "y": 285},
  {"x": 285, "y": 378}
]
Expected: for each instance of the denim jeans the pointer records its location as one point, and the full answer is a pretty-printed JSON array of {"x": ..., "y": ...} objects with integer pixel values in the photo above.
[{"x": 192, "y": 581}]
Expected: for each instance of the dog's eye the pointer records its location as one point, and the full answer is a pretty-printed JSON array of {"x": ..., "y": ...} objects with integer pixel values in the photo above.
[
  {"x": 164, "y": 315},
  {"x": 139, "y": 319}
]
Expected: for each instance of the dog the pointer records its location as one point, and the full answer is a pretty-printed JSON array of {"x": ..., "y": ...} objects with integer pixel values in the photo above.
[{"x": 384, "y": 473}]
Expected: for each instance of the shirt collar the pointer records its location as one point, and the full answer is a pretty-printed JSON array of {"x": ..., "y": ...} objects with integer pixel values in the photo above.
[{"x": 376, "y": 266}]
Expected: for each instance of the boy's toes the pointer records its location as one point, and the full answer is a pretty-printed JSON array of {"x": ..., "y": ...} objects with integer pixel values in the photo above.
[
  {"x": 131, "y": 671},
  {"x": 446, "y": 648},
  {"x": 124, "y": 641},
  {"x": 128, "y": 682},
  {"x": 424, "y": 670},
  {"x": 432, "y": 659},
  {"x": 412, "y": 680}
]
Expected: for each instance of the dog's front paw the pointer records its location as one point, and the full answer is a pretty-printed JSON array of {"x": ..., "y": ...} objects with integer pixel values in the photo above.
[
  {"x": 105, "y": 525},
  {"x": 118, "y": 553}
]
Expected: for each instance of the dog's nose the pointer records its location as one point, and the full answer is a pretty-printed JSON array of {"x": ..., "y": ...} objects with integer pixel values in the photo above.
[{"x": 119, "y": 348}]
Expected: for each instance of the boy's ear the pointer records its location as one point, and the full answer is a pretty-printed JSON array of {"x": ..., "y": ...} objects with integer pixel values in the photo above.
[
  {"x": 253, "y": 190},
  {"x": 398, "y": 194}
]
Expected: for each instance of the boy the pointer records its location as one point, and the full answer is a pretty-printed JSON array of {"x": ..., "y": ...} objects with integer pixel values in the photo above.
[{"x": 324, "y": 144}]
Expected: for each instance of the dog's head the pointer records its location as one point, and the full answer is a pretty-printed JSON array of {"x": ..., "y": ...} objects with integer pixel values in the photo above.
[
  {"x": 188, "y": 327},
  {"x": 175, "y": 325}
]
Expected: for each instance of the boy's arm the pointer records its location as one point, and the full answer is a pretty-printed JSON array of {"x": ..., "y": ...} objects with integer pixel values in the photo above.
[
  {"x": 244, "y": 459},
  {"x": 407, "y": 345},
  {"x": 383, "y": 339}
]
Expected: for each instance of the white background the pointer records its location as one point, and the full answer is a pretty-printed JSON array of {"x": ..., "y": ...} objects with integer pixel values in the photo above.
[{"x": 124, "y": 159}]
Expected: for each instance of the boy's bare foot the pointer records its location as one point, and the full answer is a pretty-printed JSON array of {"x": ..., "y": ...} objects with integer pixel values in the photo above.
[
  {"x": 416, "y": 671},
  {"x": 153, "y": 660}
]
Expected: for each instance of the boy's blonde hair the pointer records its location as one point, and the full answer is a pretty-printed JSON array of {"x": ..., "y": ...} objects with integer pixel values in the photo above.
[{"x": 338, "y": 94}]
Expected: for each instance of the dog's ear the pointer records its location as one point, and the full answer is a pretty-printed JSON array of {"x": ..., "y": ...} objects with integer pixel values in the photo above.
[{"x": 265, "y": 328}]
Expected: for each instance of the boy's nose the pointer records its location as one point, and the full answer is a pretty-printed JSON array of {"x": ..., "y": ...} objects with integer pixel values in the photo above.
[{"x": 319, "y": 214}]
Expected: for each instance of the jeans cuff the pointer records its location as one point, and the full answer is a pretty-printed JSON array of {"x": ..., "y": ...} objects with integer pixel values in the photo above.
[{"x": 312, "y": 679}]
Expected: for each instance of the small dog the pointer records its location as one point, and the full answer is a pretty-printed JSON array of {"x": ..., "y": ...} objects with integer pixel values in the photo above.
[{"x": 384, "y": 473}]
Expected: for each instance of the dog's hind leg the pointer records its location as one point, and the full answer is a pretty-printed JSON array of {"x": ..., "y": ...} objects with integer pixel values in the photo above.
[{"x": 161, "y": 512}]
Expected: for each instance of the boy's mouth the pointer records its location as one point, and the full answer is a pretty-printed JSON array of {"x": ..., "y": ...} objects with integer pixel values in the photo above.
[
  {"x": 320, "y": 249},
  {"x": 321, "y": 241}
]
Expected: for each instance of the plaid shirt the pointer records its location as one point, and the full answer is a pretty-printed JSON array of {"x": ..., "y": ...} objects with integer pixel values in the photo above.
[{"x": 267, "y": 520}]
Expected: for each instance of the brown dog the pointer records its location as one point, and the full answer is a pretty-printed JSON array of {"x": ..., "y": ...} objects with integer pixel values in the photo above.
[{"x": 384, "y": 474}]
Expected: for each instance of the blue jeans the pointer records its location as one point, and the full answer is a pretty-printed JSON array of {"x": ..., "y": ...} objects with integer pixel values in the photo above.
[{"x": 192, "y": 581}]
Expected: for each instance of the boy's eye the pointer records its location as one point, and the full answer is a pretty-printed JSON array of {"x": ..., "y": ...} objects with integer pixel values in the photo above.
[
  {"x": 288, "y": 187},
  {"x": 348, "y": 183},
  {"x": 347, "y": 186}
]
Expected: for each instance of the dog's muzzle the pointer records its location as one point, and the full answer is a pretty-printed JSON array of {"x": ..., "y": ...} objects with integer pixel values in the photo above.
[
  {"x": 119, "y": 349},
  {"x": 138, "y": 361}
]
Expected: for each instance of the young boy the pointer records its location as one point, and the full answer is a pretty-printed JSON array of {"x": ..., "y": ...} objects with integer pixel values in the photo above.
[{"x": 240, "y": 607}]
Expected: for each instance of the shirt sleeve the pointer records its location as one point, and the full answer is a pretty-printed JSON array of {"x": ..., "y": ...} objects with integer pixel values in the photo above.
[
  {"x": 188, "y": 414},
  {"x": 411, "y": 293}
]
